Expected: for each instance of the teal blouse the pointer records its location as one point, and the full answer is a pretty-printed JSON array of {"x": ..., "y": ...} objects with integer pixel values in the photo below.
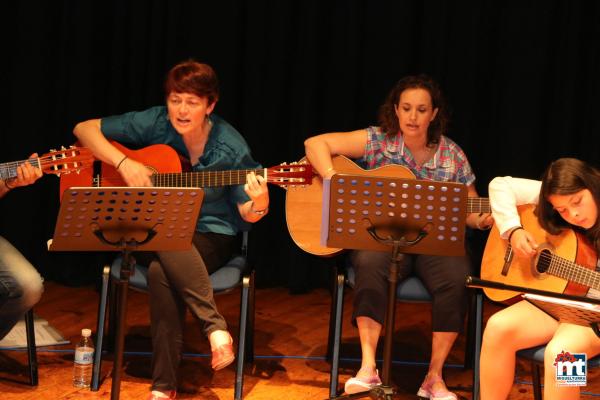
[{"x": 225, "y": 149}]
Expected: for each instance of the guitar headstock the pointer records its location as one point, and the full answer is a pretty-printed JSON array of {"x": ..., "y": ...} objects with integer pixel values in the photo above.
[
  {"x": 65, "y": 161},
  {"x": 294, "y": 174}
]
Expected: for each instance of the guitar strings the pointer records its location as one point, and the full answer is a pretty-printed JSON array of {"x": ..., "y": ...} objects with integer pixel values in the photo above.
[
  {"x": 579, "y": 273},
  {"x": 200, "y": 178}
]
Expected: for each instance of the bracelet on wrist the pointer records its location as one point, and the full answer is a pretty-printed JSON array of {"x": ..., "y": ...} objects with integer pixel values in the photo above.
[
  {"x": 121, "y": 162},
  {"x": 513, "y": 231}
]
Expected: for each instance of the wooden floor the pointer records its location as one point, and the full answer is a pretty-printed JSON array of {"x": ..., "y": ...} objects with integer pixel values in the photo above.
[{"x": 290, "y": 345}]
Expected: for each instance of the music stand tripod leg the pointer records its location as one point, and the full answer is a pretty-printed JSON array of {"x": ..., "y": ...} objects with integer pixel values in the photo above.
[{"x": 126, "y": 270}]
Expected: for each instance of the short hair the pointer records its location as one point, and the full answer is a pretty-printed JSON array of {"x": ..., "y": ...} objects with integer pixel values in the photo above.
[
  {"x": 193, "y": 77},
  {"x": 388, "y": 120}
]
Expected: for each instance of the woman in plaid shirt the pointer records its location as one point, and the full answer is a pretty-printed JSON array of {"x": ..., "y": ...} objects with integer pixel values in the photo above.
[{"x": 412, "y": 123}]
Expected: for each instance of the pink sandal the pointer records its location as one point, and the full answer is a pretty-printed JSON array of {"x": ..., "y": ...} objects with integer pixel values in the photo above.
[
  {"x": 357, "y": 385},
  {"x": 426, "y": 390},
  {"x": 172, "y": 394}
]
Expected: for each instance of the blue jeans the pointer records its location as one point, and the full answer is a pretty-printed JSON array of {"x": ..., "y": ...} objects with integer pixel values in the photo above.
[{"x": 21, "y": 286}]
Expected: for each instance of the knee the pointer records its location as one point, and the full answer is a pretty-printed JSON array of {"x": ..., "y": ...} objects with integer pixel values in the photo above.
[
  {"x": 32, "y": 287},
  {"x": 155, "y": 272},
  {"x": 497, "y": 331},
  {"x": 553, "y": 348}
]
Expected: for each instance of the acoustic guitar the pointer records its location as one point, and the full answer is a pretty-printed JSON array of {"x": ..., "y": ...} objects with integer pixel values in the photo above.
[
  {"x": 166, "y": 166},
  {"x": 303, "y": 204},
  {"x": 57, "y": 162},
  {"x": 564, "y": 263}
]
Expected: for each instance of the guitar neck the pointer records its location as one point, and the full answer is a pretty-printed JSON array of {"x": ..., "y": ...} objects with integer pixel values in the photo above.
[
  {"x": 9, "y": 170},
  {"x": 573, "y": 272},
  {"x": 205, "y": 178},
  {"x": 478, "y": 205}
]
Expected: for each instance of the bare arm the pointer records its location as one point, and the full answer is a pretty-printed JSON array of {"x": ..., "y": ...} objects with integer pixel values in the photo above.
[
  {"x": 90, "y": 135},
  {"x": 258, "y": 205},
  {"x": 319, "y": 149},
  {"x": 506, "y": 193},
  {"x": 26, "y": 175}
]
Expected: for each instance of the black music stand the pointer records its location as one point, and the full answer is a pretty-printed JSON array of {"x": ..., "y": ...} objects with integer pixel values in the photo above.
[
  {"x": 573, "y": 309},
  {"x": 126, "y": 219},
  {"x": 405, "y": 215}
]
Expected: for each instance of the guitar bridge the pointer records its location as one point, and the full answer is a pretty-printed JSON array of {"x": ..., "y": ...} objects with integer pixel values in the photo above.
[{"x": 508, "y": 256}]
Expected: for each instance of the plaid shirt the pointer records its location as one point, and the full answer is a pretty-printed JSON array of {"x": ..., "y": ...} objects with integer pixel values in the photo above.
[{"x": 449, "y": 163}]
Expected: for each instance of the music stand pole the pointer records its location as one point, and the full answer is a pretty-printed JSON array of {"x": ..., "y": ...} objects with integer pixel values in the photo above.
[
  {"x": 390, "y": 315},
  {"x": 126, "y": 270},
  {"x": 126, "y": 219},
  {"x": 366, "y": 212}
]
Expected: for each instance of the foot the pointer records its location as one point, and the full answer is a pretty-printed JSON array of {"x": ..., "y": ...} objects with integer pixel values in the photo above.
[
  {"x": 221, "y": 345},
  {"x": 434, "y": 388},
  {"x": 160, "y": 395},
  {"x": 362, "y": 382}
]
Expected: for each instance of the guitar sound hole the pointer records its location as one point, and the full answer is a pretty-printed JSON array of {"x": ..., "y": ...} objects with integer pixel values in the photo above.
[{"x": 544, "y": 259}]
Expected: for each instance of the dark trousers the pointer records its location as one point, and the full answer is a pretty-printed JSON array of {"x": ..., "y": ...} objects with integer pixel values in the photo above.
[
  {"x": 180, "y": 280},
  {"x": 443, "y": 276}
]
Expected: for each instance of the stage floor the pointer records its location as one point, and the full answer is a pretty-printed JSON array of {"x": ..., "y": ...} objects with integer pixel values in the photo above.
[{"x": 290, "y": 347}]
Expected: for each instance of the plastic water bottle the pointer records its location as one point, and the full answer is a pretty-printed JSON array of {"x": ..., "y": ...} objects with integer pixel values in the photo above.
[{"x": 84, "y": 358}]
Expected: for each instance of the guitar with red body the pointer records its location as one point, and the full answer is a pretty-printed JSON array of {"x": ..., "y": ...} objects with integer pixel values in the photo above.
[{"x": 166, "y": 166}]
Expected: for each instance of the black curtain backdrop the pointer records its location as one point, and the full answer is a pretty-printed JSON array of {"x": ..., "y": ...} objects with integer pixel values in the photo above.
[{"x": 521, "y": 77}]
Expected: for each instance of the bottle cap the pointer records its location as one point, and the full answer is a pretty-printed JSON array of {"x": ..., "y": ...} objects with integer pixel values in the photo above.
[{"x": 86, "y": 332}]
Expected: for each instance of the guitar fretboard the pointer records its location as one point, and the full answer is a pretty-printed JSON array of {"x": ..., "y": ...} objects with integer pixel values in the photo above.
[
  {"x": 478, "y": 205},
  {"x": 205, "y": 179},
  {"x": 9, "y": 170},
  {"x": 571, "y": 271}
]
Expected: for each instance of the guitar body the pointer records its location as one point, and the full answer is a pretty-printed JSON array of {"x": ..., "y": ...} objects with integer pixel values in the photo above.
[
  {"x": 522, "y": 272},
  {"x": 304, "y": 205},
  {"x": 159, "y": 158}
]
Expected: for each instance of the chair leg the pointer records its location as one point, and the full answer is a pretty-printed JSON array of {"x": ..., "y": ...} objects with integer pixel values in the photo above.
[
  {"x": 31, "y": 348},
  {"x": 251, "y": 319},
  {"x": 239, "y": 373},
  {"x": 537, "y": 384},
  {"x": 332, "y": 315},
  {"x": 478, "y": 332},
  {"x": 113, "y": 295},
  {"x": 100, "y": 329},
  {"x": 337, "y": 308}
]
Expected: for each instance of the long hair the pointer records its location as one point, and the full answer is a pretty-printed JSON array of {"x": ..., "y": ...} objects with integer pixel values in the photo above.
[
  {"x": 388, "y": 120},
  {"x": 566, "y": 176},
  {"x": 193, "y": 77}
]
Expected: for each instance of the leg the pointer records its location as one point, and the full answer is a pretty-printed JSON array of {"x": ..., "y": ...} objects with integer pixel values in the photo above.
[
  {"x": 192, "y": 283},
  {"x": 21, "y": 286},
  {"x": 505, "y": 334},
  {"x": 573, "y": 339},
  {"x": 181, "y": 279},
  {"x": 444, "y": 278},
  {"x": 370, "y": 302},
  {"x": 368, "y": 331},
  {"x": 167, "y": 314}
]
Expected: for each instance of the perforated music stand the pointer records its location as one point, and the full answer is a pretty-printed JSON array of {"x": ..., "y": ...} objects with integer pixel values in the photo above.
[
  {"x": 402, "y": 215},
  {"x": 126, "y": 219}
]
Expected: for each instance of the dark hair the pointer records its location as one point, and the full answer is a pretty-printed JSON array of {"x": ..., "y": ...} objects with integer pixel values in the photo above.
[
  {"x": 193, "y": 77},
  {"x": 388, "y": 121},
  {"x": 563, "y": 177}
]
